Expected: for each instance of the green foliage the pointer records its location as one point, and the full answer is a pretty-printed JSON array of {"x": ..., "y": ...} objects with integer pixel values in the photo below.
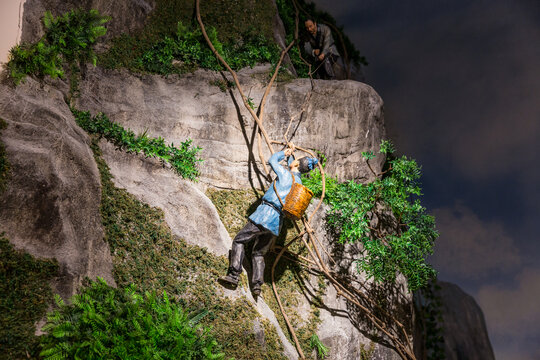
[
  {"x": 68, "y": 38},
  {"x": 107, "y": 323},
  {"x": 146, "y": 253},
  {"x": 4, "y": 163},
  {"x": 367, "y": 354},
  {"x": 25, "y": 295},
  {"x": 189, "y": 47},
  {"x": 386, "y": 217},
  {"x": 315, "y": 343},
  {"x": 313, "y": 180},
  {"x": 34, "y": 59},
  {"x": 172, "y": 42},
  {"x": 183, "y": 159}
]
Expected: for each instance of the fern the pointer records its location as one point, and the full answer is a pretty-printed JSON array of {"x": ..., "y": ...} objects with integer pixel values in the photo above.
[{"x": 104, "y": 322}]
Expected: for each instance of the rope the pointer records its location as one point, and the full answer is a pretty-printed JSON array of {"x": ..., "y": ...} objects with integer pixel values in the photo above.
[{"x": 404, "y": 349}]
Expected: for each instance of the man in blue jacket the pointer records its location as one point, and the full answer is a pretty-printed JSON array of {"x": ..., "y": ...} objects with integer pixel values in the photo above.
[{"x": 265, "y": 223}]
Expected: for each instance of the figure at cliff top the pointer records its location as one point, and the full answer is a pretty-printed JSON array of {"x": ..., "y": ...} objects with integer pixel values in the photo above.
[
  {"x": 322, "y": 50},
  {"x": 265, "y": 223}
]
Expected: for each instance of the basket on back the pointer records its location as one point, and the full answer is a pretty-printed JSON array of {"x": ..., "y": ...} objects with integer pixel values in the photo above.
[{"x": 297, "y": 201}]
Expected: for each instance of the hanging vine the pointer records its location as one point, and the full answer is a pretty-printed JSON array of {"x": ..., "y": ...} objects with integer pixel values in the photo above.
[{"x": 396, "y": 333}]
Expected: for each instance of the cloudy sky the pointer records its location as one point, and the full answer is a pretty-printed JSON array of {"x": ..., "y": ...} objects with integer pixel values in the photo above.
[{"x": 461, "y": 85}]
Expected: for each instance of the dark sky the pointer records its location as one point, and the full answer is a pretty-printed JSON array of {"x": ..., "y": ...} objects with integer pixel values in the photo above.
[{"x": 461, "y": 86}]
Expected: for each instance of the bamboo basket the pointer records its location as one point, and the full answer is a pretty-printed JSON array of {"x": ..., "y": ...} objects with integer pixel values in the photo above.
[{"x": 297, "y": 201}]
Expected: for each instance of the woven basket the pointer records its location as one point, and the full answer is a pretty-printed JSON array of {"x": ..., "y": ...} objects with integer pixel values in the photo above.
[{"x": 297, "y": 201}]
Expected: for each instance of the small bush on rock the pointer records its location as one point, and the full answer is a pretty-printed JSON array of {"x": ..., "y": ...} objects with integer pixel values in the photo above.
[
  {"x": 183, "y": 159},
  {"x": 190, "y": 49},
  {"x": 68, "y": 39},
  {"x": 107, "y": 323},
  {"x": 386, "y": 217}
]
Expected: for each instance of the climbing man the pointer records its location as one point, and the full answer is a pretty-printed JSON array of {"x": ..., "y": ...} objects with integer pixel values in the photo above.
[
  {"x": 265, "y": 223},
  {"x": 320, "y": 46}
]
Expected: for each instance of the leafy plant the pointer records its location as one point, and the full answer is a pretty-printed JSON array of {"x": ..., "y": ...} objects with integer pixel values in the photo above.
[
  {"x": 244, "y": 28},
  {"x": 183, "y": 159},
  {"x": 68, "y": 40},
  {"x": 107, "y": 323},
  {"x": 189, "y": 49},
  {"x": 386, "y": 218},
  {"x": 315, "y": 343},
  {"x": 25, "y": 295}
]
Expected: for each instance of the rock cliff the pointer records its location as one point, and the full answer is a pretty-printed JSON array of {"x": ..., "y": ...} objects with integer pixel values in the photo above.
[
  {"x": 464, "y": 327},
  {"x": 51, "y": 207}
]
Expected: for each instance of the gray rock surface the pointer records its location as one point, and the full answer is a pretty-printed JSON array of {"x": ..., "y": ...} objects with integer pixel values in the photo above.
[
  {"x": 51, "y": 205},
  {"x": 464, "y": 327},
  {"x": 342, "y": 119},
  {"x": 126, "y": 15},
  {"x": 188, "y": 211}
]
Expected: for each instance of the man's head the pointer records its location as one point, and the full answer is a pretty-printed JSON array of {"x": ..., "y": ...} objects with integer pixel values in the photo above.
[
  {"x": 304, "y": 165},
  {"x": 311, "y": 26}
]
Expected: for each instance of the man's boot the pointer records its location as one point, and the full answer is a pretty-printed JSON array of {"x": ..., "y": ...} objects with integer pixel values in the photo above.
[
  {"x": 258, "y": 274},
  {"x": 236, "y": 256}
]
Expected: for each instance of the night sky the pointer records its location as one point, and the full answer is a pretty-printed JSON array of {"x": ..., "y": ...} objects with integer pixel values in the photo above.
[{"x": 461, "y": 86}]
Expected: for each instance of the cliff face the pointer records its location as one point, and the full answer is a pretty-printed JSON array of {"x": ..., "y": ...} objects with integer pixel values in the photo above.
[
  {"x": 343, "y": 118},
  {"x": 51, "y": 207},
  {"x": 464, "y": 327}
]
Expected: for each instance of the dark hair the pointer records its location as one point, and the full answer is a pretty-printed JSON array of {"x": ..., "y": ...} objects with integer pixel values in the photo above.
[
  {"x": 304, "y": 166},
  {"x": 309, "y": 18}
]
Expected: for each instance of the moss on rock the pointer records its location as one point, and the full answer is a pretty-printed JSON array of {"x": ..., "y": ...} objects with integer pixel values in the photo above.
[
  {"x": 234, "y": 207},
  {"x": 236, "y": 22},
  {"x": 25, "y": 295},
  {"x": 4, "y": 163},
  {"x": 146, "y": 253}
]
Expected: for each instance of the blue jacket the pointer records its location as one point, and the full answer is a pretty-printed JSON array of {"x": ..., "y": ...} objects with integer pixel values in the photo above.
[{"x": 266, "y": 215}]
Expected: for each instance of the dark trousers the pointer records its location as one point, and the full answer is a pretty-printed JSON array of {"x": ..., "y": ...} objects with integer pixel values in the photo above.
[
  {"x": 262, "y": 238},
  {"x": 330, "y": 68}
]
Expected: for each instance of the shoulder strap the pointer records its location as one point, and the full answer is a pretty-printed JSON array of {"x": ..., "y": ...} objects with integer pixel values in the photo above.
[{"x": 275, "y": 189}]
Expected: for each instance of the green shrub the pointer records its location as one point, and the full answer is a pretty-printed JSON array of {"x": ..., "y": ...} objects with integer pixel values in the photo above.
[
  {"x": 386, "y": 217},
  {"x": 25, "y": 295},
  {"x": 241, "y": 30},
  {"x": 189, "y": 47},
  {"x": 183, "y": 159},
  {"x": 68, "y": 40},
  {"x": 107, "y": 323}
]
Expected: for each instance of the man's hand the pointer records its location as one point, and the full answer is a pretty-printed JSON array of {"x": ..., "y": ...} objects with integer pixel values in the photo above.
[
  {"x": 321, "y": 57},
  {"x": 316, "y": 52},
  {"x": 288, "y": 151}
]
